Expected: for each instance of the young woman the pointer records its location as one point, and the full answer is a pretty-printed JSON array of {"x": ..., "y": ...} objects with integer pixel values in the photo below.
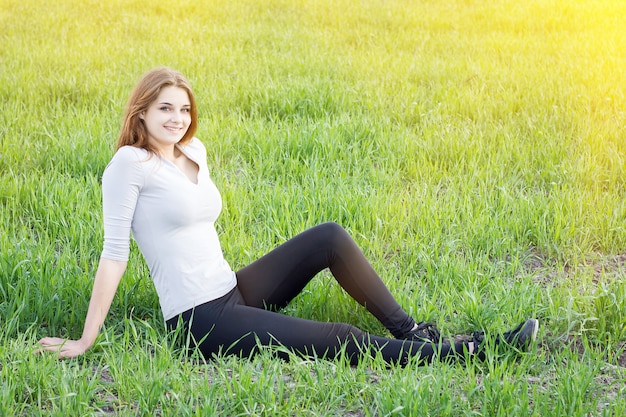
[{"x": 158, "y": 186}]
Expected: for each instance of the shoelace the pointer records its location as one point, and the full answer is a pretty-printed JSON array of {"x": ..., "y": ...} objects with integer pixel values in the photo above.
[{"x": 426, "y": 330}]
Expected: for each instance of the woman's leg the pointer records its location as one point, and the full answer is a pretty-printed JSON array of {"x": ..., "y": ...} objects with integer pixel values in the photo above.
[
  {"x": 276, "y": 278},
  {"x": 228, "y": 326}
]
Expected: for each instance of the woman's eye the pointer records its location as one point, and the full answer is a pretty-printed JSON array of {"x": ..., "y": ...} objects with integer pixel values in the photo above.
[
  {"x": 164, "y": 108},
  {"x": 186, "y": 110}
]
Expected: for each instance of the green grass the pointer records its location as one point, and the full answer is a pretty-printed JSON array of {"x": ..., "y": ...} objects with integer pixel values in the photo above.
[{"x": 475, "y": 150}]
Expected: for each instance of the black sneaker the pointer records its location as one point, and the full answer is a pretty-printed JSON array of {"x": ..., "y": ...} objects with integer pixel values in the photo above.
[
  {"x": 520, "y": 337},
  {"x": 424, "y": 332}
]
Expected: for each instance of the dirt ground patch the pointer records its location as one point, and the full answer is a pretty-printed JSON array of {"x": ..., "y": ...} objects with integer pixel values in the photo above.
[{"x": 607, "y": 266}]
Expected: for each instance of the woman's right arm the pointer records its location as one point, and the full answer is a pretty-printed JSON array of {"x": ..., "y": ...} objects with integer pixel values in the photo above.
[
  {"x": 105, "y": 285},
  {"x": 121, "y": 183}
]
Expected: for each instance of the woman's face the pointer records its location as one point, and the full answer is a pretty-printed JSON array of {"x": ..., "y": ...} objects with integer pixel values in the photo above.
[{"x": 168, "y": 117}]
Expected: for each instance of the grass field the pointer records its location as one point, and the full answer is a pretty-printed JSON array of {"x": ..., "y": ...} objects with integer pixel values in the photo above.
[{"x": 475, "y": 150}]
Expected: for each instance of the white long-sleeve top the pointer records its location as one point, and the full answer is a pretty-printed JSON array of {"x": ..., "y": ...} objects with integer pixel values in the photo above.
[{"x": 173, "y": 221}]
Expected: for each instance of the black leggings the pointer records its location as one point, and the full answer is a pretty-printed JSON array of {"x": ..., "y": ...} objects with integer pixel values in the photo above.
[{"x": 246, "y": 317}]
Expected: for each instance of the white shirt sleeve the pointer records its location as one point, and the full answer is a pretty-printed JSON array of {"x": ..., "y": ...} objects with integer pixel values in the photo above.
[{"x": 122, "y": 181}]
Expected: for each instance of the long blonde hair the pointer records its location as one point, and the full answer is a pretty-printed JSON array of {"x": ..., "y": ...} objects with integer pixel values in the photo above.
[{"x": 147, "y": 90}]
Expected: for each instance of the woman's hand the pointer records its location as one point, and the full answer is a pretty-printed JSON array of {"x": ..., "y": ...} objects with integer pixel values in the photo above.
[
  {"x": 107, "y": 279},
  {"x": 65, "y": 348}
]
